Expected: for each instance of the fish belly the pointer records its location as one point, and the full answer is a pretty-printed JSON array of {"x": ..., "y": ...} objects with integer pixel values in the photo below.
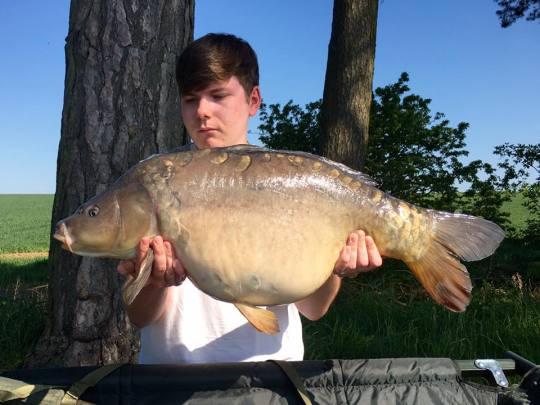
[{"x": 276, "y": 252}]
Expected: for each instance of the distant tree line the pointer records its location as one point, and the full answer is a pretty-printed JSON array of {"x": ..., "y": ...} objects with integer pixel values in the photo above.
[{"x": 417, "y": 156}]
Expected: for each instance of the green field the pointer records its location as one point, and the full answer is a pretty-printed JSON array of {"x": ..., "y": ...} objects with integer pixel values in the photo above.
[
  {"x": 25, "y": 222},
  {"x": 518, "y": 213},
  {"x": 380, "y": 314}
]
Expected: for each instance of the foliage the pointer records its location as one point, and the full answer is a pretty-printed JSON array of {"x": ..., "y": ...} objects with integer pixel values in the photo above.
[
  {"x": 520, "y": 160},
  {"x": 532, "y": 203},
  {"x": 291, "y": 127},
  {"x": 512, "y": 10},
  {"x": 25, "y": 222},
  {"x": 413, "y": 154},
  {"x": 520, "y": 163},
  {"x": 485, "y": 198}
]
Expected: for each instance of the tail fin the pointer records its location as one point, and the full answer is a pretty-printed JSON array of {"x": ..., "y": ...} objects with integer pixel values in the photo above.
[{"x": 455, "y": 237}]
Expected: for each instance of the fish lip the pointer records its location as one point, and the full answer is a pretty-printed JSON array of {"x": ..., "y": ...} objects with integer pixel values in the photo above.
[{"x": 62, "y": 235}]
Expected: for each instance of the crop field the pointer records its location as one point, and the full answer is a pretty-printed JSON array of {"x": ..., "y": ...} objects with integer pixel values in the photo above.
[
  {"x": 385, "y": 313},
  {"x": 25, "y": 222}
]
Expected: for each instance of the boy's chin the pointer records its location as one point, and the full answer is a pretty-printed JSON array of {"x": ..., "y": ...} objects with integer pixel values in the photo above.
[
  {"x": 207, "y": 143},
  {"x": 219, "y": 142},
  {"x": 212, "y": 143}
]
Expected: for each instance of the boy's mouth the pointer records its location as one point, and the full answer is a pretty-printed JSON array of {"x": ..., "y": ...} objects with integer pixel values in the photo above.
[{"x": 206, "y": 129}]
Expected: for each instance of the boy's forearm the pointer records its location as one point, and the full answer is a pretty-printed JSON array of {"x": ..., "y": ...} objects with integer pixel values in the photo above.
[
  {"x": 148, "y": 306},
  {"x": 317, "y": 304}
]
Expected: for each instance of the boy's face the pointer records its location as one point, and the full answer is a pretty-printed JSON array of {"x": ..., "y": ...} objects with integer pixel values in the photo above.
[{"x": 218, "y": 115}]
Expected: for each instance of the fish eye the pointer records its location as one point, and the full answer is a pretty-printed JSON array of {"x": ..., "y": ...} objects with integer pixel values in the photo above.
[{"x": 93, "y": 211}]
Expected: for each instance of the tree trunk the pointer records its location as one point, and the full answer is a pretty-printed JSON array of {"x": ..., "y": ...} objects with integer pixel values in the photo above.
[
  {"x": 348, "y": 83},
  {"x": 121, "y": 104}
]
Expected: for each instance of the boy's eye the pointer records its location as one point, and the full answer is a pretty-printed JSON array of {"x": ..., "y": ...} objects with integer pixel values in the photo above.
[{"x": 219, "y": 96}]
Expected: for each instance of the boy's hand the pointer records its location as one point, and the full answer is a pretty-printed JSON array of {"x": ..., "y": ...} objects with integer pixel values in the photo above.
[
  {"x": 167, "y": 270},
  {"x": 359, "y": 255}
]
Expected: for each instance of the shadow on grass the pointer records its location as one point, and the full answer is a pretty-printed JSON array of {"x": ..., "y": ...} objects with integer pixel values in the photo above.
[
  {"x": 29, "y": 272},
  {"x": 23, "y": 308}
]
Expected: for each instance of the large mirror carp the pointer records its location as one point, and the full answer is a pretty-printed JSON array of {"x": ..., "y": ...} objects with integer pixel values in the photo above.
[{"x": 257, "y": 227}]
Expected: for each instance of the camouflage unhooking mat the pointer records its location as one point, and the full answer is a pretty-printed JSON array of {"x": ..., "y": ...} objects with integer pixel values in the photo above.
[{"x": 377, "y": 381}]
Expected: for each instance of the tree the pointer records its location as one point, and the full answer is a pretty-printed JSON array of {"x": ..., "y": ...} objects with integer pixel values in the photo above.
[
  {"x": 413, "y": 154},
  {"x": 485, "y": 198},
  {"x": 120, "y": 105},
  {"x": 520, "y": 163},
  {"x": 512, "y": 10},
  {"x": 291, "y": 127},
  {"x": 348, "y": 82}
]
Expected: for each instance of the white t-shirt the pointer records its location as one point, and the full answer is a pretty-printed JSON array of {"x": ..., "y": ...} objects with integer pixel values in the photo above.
[{"x": 199, "y": 329}]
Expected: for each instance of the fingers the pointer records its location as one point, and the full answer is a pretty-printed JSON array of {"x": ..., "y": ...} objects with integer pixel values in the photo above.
[
  {"x": 167, "y": 269},
  {"x": 144, "y": 245},
  {"x": 168, "y": 255},
  {"x": 126, "y": 267},
  {"x": 177, "y": 267},
  {"x": 359, "y": 255},
  {"x": 362, "y": 253},
  {"x": 374, "y": 256},
  {"x": 352, "y": 243},
  {"x": 130, "y": 267},
  {"x": 160, "y": 258},
  {"x": 342, "y": 261}
]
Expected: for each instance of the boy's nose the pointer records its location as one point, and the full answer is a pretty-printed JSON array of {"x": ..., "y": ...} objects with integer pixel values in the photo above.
[{"x": 203, "y": 109}]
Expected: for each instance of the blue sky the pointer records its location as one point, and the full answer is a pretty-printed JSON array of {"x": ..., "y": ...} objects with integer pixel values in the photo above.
[{"x": 454, "y": 51}]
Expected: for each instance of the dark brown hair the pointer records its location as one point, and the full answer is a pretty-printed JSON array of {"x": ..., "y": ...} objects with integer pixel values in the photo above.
[{"x": 215, "y": 57}]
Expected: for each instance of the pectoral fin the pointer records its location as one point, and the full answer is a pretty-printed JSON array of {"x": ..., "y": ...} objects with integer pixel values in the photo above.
[
  {"x": 262, "y": 319},
  {"x": 133, "y": 286}
]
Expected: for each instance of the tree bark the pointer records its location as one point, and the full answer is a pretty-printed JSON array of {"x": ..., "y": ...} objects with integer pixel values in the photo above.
[
  {"x": 348, "y": 82},
  {"x": 121, "y": 104}
]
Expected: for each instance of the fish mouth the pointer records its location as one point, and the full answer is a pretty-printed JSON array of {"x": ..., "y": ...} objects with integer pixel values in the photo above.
[{"x": 62, "y": 235}]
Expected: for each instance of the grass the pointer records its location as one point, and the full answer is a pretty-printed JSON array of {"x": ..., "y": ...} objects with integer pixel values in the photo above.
[
  {"x": 25, "y": 222},
  {"x": 368, "y": 321},
  {"x": 518, "y": 213},
  {"x": 23, "y": 307}
]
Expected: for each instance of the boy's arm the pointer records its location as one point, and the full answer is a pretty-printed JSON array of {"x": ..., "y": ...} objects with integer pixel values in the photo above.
[
  {"x": 148, "y": 306},
  {"x": 359, "y": 255}
]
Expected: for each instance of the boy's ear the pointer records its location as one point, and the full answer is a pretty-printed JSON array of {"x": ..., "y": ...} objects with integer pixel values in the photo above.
[{"x": 254, "y": 100}]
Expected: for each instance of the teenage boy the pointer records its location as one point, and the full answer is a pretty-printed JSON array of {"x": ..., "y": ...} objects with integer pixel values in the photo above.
[{"x": 218, "y": 79}]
